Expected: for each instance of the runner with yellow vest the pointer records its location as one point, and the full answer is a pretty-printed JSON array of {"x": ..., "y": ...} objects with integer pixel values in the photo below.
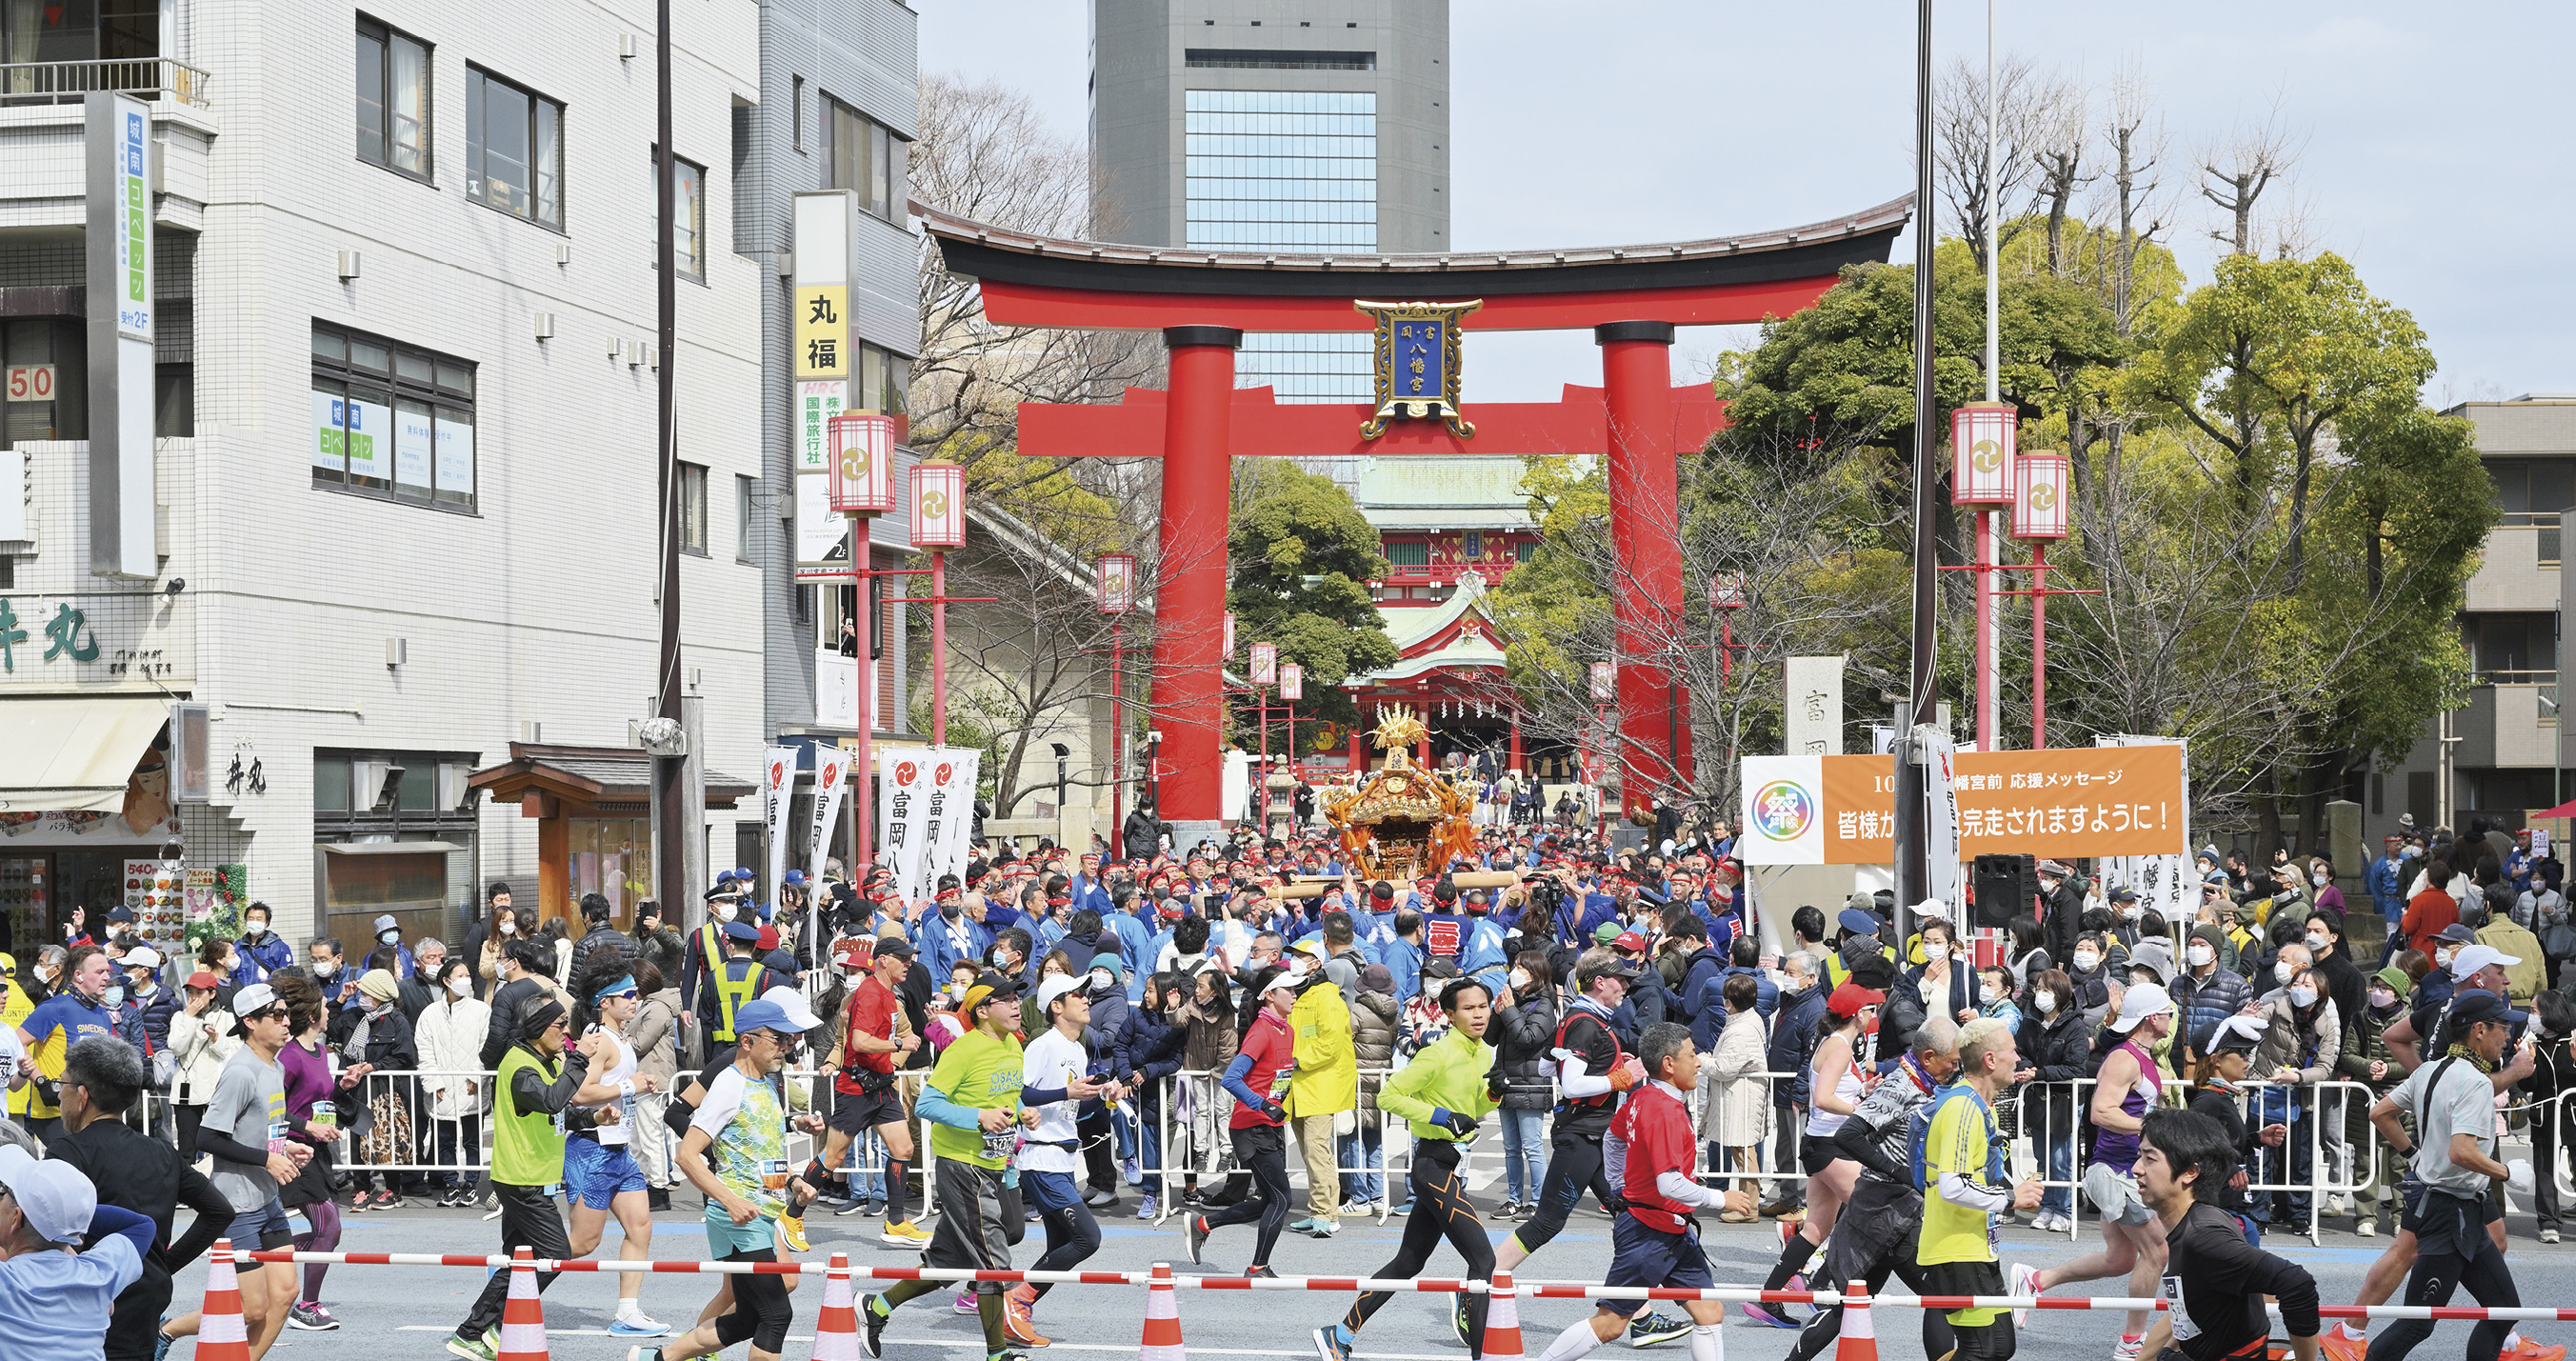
[{"x": 538, "y": 1079}]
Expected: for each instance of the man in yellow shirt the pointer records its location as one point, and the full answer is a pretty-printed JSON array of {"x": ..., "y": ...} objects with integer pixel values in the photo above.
[
  {"x": 1962, "y": 1162},
  {"x": 1325, "y": 1084}
]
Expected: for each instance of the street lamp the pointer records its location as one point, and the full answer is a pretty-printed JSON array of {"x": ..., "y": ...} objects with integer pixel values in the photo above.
[
  {"x": 1982, "y": 458},
  {"x": 1113, "y": 581},
  {"x": 1292, "y": 688},
  {"x": 938, "y": 524},
  {"x": 1265, "y": 671},
  {"x": 1605, "y": 687},
  {"x": 2040, "y": 484},
  {"x": 862, "y": 487}
]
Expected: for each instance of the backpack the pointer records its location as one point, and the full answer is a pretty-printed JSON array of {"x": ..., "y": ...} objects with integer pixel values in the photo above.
[{"x": 1618, "y": 1055}]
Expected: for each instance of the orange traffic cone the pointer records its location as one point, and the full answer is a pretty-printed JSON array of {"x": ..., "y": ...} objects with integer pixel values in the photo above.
[
  {"x": 221, "y": 1334},
  {"x": 523, "y": 1318},
  {"x": 1502, "y": 1321},
  {"x": 836, "y": 1334},
  {"x": 1859, "y": 1340},
  {"x": 1162, "y": 1320}
]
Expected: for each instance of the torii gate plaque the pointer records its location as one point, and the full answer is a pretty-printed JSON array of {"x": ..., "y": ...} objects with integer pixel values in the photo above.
[{"x": 1632, "y": 298}]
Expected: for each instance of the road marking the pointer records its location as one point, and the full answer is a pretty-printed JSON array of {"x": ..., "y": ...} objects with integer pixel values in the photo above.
[{"x": 977, "y": 1343}]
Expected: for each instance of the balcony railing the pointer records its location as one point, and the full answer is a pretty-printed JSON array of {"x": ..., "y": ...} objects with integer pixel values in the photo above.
[{"x": 65, "y": 82}]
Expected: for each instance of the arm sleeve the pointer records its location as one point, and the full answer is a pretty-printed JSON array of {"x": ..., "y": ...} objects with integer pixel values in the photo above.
[
  {"x": 1959, "y": 1188},
  {"x": 935, "y": 1106},
  {"x": 1573, "y": 1082},
  {"x": 214, "y": 1216},
  {"x": 1235, "y": 1073},
  {"x": 117, "y": 1221},
  {"x": 222, "y": 1145},
  {"x": 1676, "y": 1187},
  {"x": 1858, "y": 1140},
  {"x": 1042, "y": 1096},
  {"x": 534, "y": 1093}
]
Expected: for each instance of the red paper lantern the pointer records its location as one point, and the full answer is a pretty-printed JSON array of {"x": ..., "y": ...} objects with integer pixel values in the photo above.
[
  {"x": 1982, "y": 440},
  {"x": 1265, "y": 663},
  {"x": 1114, "y": 582},
  {"x": 2041, "y": 483},
  {"x": 862, "y": 463},
  {"x": 1292, "y": 681},
  {"x": 939, "y": 505}
]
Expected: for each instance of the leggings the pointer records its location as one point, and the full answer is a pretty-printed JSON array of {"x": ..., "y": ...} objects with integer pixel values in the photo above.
[
  {"x": 325, "y": 1216},
  {"x": 1440, "y": 1210},
  {"x": 2433, "y": 1280},
  {"x": 1893, "y": 1246},
  {"x": 1263, "y": 1150},
  {"x": 1573, "y": 1165},
  {"x": 1072, "y": 1234},
  {"x": 761, "y": 1309}
]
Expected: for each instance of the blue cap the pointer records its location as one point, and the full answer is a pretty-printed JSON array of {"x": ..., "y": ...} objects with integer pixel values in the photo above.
[
  {"x": 742, "y": 931},
  {"x": 767, "y": 910},
  {"x": 761, "y": 1015},
  {"x": 794, "y": 879},
  {"x": 2476, "y": 1004},
  {"x": 1860, "y": 923}
]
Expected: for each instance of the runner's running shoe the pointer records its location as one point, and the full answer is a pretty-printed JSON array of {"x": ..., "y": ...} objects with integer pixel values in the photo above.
[
  {"x": 2021, "y": 1280},
  {"x": 310, "y": 1316},
  {"x": 472, "y": 1349},
  {"x": 1332, "y": 1344},
  {"x": 1650, "y": 1327},
  {"x": 904, "y": 1235},
  {"x": 792, "y": 1228}
]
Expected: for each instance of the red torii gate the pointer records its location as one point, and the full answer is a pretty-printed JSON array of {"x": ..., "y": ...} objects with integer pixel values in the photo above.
[{"x": 1631, "y": 297}]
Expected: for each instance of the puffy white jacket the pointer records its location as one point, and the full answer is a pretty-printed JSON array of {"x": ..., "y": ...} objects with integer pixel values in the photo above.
[
  {"x": 200, "y": 1045},
  {"x": 449, "y": 1035}
]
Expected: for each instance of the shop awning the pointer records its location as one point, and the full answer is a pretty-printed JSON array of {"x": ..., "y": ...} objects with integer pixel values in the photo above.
[
  {"x": 388, "y": 847},
  {"x": 74, "y": 755}
]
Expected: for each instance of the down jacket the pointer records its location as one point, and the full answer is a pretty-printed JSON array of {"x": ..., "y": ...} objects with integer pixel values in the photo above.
[
  {"x": 1522, "y": 1035},
  {"x": 1373, "y": 1040}
]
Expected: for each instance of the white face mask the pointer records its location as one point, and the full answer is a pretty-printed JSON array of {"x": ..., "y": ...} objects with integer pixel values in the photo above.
[
  {"x": 2046, "y": 1002},
  {"x": 2382, "y": 997},
  {"x": 2132, "y": 912},
  {"x": 1990, "y": 994},
  {"x": 2087, "y": 961},
  {"x": 2443, "y": 954},
  {"x": 1520, "y": 979},
  {"x": 2303, "y": 997},
  {"x": 2319, "y": 878},
  {"x": 324, "y": 968},
  {"x": 2198, "y": 954},
  {"x": 2281, "y": 971},
  {"x": 256, "y": 930},
  {"x": 509, "y": 928},
  {"x": 2316, "y": 945},
  {"x": 460, "y": 986}
]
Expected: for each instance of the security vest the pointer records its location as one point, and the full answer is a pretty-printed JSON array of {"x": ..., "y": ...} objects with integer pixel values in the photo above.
[
  {"x": 711, "y": 953},
  {"x": 741, "y": 981},
  {"x": 527, "y": 1146}
]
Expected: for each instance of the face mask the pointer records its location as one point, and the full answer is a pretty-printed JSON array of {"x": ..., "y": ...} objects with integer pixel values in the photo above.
[
  {"x": 2319, "y": 878},
  {"x": 2303, "y": 997},
  {"x": 460, "y": 986},
  {"x": 141, "y": 986},
  {"x": 389, "y": 937},
  {"x": 114, "y": 996},
  {"x": 1990, "y": 994},
  {"x": 2132, "y": 912},
  {"x": 1520, "y": 979},
  {"x": 2087, "y": 961},
  {"x": 950, "y": 910},
  {"x": 2281, "y": 971},
  {"x": 326, "y": 968},
  {"x": 2443, "y": 954},
  {"x": 258, "y": 929},
  {"x": 2198, "y": 954},
  {"x": 2046, "y": 1002},
  {"x": 2316, "y": 945},
  {"x": 509, "y": 928},
  {"x": 2382, "y": 997}
]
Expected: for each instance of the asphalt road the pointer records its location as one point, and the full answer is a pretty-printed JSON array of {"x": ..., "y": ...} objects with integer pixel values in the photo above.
[{"x": 390, "y": 1312}]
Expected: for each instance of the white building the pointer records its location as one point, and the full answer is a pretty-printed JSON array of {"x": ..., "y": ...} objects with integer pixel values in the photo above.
[{"x": 403, "y": 491}]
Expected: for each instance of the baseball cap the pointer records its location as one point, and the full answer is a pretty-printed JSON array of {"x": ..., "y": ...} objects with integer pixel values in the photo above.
[
  {"x": 990, "y": 987},
  {"x": 1629, "y": 940},
  {"x": 763, "y": 1014},
  {"x": 793, "y": 879},
  {"x": 768, "y": 937},
  {"x": 792, "y": 1002},
  {"x": 141, "y": 957},
  {"x": 56, "y": 1199},
  {"x": 2475, "y": 1005},
  {"x": 1860, "y": 922},
  {"x": 1053, "y": 988},
  {"x": 2230, "y": 1035},
  {"x": 742, "y": 931},
  {"x": 896, "y": 946},
  {"x": 120, "y": 913},
  {"x": 2124, "y": 895},
  {"x": 2472, "y": 958},
  {"x": 1848, "y": 999},
  {"x": 2141, "y": 1001},
  {"x": 203, "y": 979},
  {"x": 255, "y": 998},
  {"x": 2456, "y": 934},
  {"x": 1605, "y": 933},
  {"x": 1932, "y": 907}
]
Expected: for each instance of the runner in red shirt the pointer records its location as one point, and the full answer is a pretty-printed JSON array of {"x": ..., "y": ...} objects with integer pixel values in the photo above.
[
  {"x": 1655, "y": 1241},
  {"x": 1260, "y": 1067},
  {"x": 864, "y": 1094}
]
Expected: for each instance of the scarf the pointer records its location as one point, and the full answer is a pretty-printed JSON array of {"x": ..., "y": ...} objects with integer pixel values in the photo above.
[{"x": 2460, "y": 1050}]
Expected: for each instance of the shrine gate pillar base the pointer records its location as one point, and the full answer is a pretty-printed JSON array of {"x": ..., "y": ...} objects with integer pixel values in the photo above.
[
  {"x": 1189, "y": 594},
  {"x": 1646, "y": 596}
]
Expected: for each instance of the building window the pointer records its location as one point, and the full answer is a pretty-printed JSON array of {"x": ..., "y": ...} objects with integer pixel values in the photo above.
[
  {"x": 393, "y": 99},
  {"x": 1525, "y": 550},
  {"x": 44, "y": 371},
  {"x": 863, "y": 154},
  {"x": 689, "y": 228},
  {"x": 1280, "y": 169},
  {"x": 884, "y": 378},
  {"x": 612, "y": 857},
  {"x": 391, "y": 420},
  {"x": 746, "y": 497},
  {"x": 1257, "y": 59},
  {"x": 693, "y": 509},
  {"x": 514, "y": 153},
  {"x": 796, "y": 112},
  {"x": 1409, "y": 559}
]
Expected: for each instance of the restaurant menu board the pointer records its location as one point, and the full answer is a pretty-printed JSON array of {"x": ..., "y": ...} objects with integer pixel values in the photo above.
[
  {"x": 199, "y": 895},
  {"x": 155, "y": 893}
]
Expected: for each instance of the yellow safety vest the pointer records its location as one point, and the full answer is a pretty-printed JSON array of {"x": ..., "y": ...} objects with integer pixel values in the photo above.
[
  {"x": 733, "y": 990},
  {"x": 711, "y": 951}
]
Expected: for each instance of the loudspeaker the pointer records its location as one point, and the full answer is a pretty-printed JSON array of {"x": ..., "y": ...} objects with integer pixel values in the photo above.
[{"x": 2007, "y": 886}]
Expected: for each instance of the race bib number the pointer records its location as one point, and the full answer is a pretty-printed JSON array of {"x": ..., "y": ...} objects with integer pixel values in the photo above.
[
  {"x": 324, "y": 1121},
  {"x": 2169, "y": 1289},
  {"x": 612, "y": 1136},
  {"x": 276, "y": 1136},
  {"x": 1000, "y": 1147},
  {"x": 773, "y": 1174}
]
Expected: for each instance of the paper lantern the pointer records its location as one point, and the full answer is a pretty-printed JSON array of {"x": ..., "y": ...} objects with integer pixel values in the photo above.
[
  {"x": 1605, "y": 682},
  {"x": 2040, "y": 487},
  {"x": 1114, "y": 582},
  {"x": 1229, "y": 633},
  {"x": 1982, "y": 439},
  {"x": 862, "y": 463},
  {"x": 1265, "y": 663},
  {"x": 1292, "y": 681},
  {"x": 1726, "y": 590},
  {"x": 939, "y": 505}
]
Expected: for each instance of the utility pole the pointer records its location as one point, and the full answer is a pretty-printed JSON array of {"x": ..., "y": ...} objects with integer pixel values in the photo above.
[
  {"x": 1923, "y": 696},
  {"x": 1989, "y": 526},
  {"x": 677, "y": 894}
]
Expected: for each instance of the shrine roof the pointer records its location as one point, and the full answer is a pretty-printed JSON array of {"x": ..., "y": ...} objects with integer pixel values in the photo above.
[
  {"x": 1454, "y": 491},
  {"x": 1031, "y": 279}
]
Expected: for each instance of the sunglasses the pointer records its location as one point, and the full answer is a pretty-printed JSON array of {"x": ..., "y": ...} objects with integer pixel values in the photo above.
[
  {"x": 628, "y": 995},
  {"x": 264, "y": 1014}
]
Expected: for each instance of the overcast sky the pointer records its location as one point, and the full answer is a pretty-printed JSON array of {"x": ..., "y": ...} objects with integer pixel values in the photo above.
[{"x": 2433, "y": 138}]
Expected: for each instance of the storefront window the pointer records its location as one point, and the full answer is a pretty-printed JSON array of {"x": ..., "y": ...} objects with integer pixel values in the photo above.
[{"x": 613, "y": 857}]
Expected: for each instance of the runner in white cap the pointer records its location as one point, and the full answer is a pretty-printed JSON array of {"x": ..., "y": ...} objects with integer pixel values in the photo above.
[{"x": 2133, "y": 1241}]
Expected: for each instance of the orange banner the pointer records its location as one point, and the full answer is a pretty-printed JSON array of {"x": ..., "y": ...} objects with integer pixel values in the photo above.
[
  {"x": 1860, "y": 809},
  {"x": 2069, "y": 803}
]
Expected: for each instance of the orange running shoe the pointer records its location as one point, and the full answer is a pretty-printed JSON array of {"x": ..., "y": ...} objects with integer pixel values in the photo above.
[
  {"x": 1016, "y": 1323},
  {"x": 2339, "y": 1345},
  {"x": 2533, "y": 1351}
]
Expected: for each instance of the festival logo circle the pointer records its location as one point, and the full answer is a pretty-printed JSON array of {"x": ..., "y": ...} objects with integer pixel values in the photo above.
[
  {"x": 1783, "y": 809},
  {"x": 905, "y": 772},
  {"x": 941, "y": 775}
]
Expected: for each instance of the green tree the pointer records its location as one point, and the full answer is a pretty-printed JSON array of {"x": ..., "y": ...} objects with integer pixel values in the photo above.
[{"x": 1302, "y": 556}]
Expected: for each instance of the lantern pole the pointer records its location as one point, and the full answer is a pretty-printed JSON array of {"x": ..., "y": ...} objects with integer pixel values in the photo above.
[
  {"x": 2039, "y": 645},
  {"x": 1114, "y": 578},
  {"x": 939, "y": 647},
  {"x": 862, "y": 488},
  {"x": 1989, "y": 699}
]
